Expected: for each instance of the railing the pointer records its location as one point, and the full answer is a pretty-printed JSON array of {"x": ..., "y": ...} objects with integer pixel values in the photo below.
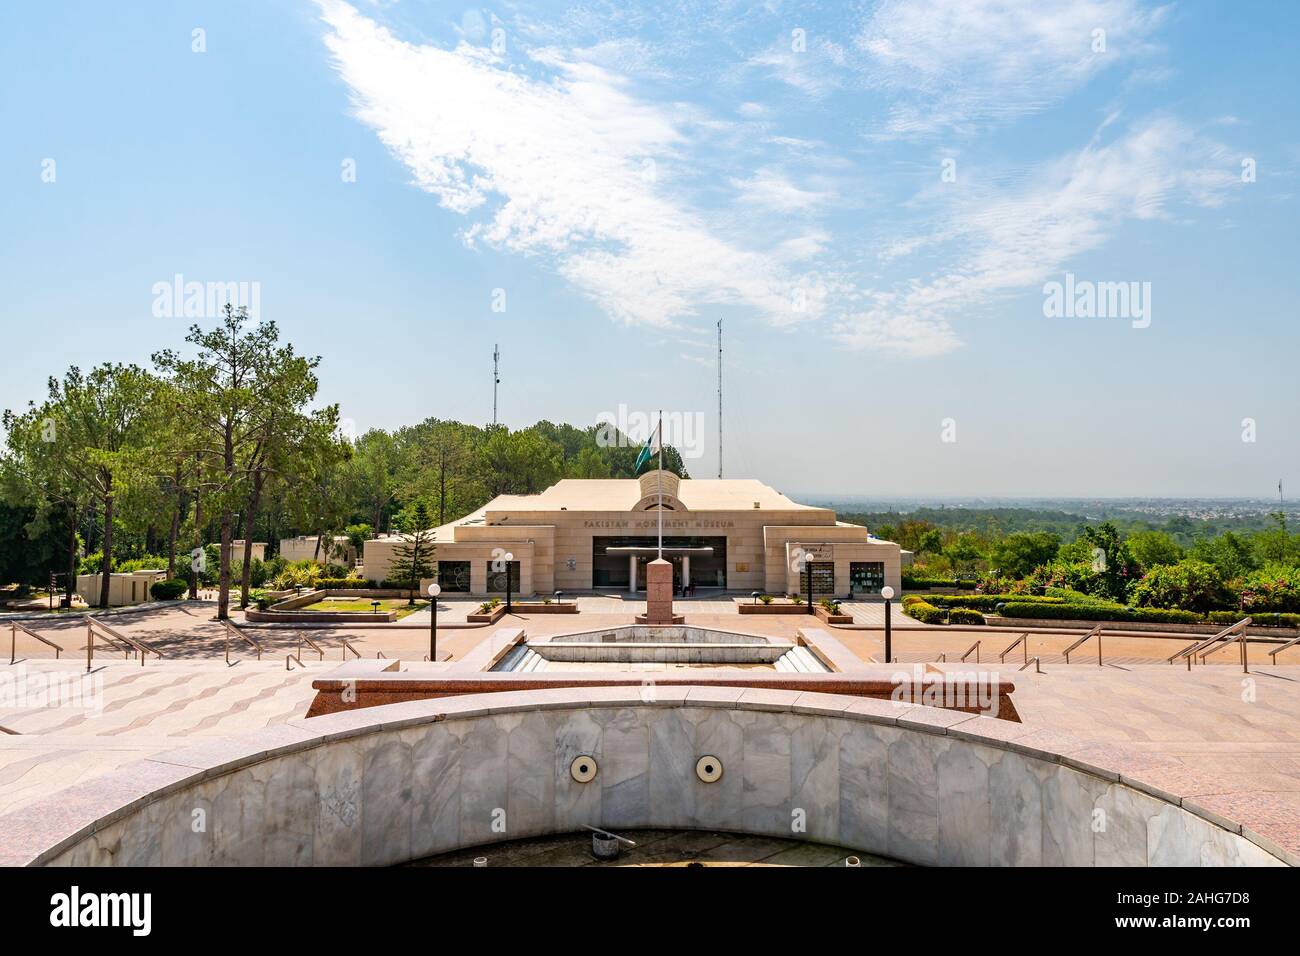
[
  {"x": 379, "y": 654},
  {"x": 292, "y": 657},
  {"x": 231, "y": 629},
  {"x": 1237, "y": 630},
  {"x": 347, "y": 646},
  {"x": 1095, "y": 632},
  {"x": 974, "y": 647},
  {"x": 1278, "y": 650},
  {"x": 1034, "y": 661},
  {"x": 304, "y": 639},
  {"x": 14, "y": 628},
  {"x": 1022, "y": 640},
  {"x": 114, "y": 639},
  {"x": 943, "y": 658}
]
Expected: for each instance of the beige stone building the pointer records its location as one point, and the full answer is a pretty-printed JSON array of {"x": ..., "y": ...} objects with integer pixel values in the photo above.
[
  {"x": 124, "y": 588},
  {"x": 598, "y": 534}
]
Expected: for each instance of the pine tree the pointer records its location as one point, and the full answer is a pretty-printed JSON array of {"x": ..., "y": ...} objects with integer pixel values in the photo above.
[{"x": 413, "y": 560}]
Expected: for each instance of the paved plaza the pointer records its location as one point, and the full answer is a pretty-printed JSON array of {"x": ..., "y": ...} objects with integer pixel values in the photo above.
[{"x": 1225, "y": 730}]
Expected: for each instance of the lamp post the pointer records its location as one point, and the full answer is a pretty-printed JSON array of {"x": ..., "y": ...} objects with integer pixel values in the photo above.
[
  {"x": 807, "y": 563},
  {"x": 754, "y": 595},
  {"x": 888, "y": 594},
  {"x": 508, "y": 557},
  {"x": 434, "y": 591}
]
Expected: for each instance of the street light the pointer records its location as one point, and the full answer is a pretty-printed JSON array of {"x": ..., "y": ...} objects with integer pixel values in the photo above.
[
  {"x": 754, "y": 595},
  {"x": 508, "y": 557},
  {"x": 434, "y": 591},
  {"x": 887, "y": 593}
]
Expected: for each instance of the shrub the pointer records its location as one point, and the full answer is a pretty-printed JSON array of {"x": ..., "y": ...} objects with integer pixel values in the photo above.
[
  {"x": 987, "y": 602},
  {"x": 925, "y": 613},
  {"x": 1274, "y": 588},
  {"x": 830, "y": 606},
  {"x": 1257, "y": 618},
  {"x": 915, "y": 582},
  {"x": 168, "y": 590},
  {"x": 341, "y": 584},
  {"x": 765, "y": 599},
  {"x": 963, "y": 615},
  {"x": 1190, "y": 585},
  {"x": 1099, "y": 612}
]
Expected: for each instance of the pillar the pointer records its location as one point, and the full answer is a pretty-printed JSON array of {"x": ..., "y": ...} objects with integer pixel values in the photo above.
[
  {"x": 631, "y": 571},
  {"x": 686, "y": 572}
]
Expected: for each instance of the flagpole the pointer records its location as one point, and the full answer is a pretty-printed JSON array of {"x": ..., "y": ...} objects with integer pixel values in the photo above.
[{"x": 660, "y": 432}]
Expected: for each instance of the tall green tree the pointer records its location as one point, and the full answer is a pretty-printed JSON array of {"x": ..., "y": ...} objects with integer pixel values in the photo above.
[
  {"x": 413, "y": 559},
  {"x": 85, "y": 444},
  {"x": 243, "y": 396}
]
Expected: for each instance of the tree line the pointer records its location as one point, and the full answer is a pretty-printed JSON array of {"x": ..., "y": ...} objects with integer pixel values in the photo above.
[{"x": 224, "y": 442}]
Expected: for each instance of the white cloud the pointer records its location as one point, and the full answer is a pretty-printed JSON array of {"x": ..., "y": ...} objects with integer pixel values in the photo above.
[
  {"x": 1014, "y": 240},
  {"x": 569, "y": 166},
  {"x": 962, "y": 63},
  {"x": 770, "y": 189}
]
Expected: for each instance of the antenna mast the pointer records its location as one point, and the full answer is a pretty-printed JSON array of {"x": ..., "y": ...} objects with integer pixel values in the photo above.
[
  {"x": 719, "y": 398},
  {"x": 496, "y": 380}
]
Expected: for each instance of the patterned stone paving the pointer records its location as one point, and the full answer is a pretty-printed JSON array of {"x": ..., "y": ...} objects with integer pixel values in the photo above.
[{"x": 1213, "y": 732}]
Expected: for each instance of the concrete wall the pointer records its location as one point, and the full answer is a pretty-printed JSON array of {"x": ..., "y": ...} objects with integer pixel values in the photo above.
[
  {"x": 388, "y": 784},
  {"x": 123, "y": 589}
]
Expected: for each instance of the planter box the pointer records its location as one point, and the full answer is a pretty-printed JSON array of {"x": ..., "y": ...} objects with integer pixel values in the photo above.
[
  {"x": 536, "y": 607},
  {"x": 830, "y": 618},
  {"x": 490, "y": 617},
  {"x": 773, "y": 608}
]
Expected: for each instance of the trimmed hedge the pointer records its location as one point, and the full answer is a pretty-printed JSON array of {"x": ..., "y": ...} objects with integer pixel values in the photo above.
[
  {"x": 925, "y": 613},
  {"x": 1257, "y": 618},
  {"x": 911, "y": 582},
  {"x": 340, "y": 584},
  {"x": 964, "y": 615},
  {"x": 987, "y": 602},
  {"x": 168, "y": 590},
  {"x": 1089, "y": 612}
]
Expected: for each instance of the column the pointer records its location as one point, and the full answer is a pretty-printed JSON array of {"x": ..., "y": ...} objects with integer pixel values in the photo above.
[
  {"x": 631, "y": 571},
  {"x": 686, "y": 572}
]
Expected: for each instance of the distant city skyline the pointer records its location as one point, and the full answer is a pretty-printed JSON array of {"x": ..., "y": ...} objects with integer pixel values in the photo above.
[{"x": 961, "y": 249}]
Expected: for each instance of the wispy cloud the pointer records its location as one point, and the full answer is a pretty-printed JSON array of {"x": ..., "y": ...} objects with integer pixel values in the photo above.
[
  {"x": 570, "y": 165},
  {"x": 959, "y": 64},
  {"x": 1014, "y": 239}
]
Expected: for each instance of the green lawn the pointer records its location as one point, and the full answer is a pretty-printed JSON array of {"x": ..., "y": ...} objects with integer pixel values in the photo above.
[{"x": 363, "y": 604}]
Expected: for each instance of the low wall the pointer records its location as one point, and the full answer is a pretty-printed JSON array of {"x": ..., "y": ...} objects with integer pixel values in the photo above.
[{"x": 391, "y": 784}]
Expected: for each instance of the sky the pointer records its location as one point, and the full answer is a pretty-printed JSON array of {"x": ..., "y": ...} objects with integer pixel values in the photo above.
[{"x": 958, "y": 247}]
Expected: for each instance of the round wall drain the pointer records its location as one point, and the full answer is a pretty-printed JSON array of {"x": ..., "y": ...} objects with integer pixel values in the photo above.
[
  {"x": 709, "y": 769},
  {"x": 583, "y": 769}
]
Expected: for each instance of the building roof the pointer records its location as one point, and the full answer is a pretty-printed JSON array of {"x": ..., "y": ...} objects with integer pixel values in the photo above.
[{"x": 622, "y": 494}]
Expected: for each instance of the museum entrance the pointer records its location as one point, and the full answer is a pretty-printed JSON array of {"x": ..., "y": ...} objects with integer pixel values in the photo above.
[{"x": 619, "y": 563}]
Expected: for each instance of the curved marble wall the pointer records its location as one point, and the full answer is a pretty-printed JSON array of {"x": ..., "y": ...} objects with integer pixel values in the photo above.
[{"x": 389, "y": 784}]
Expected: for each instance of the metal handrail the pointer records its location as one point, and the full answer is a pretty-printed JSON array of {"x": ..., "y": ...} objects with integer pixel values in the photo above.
[
  {"x": 1278, "y": 650},
  {"x": 1191, "y": 651},
  {"x": 943, "y": 658},
  {"x": 379, "y": 654},
  {"x": 1095, "y": 632},
  {"x": 974, "y": 647},
  {"x": 14, "y": 628},
  {"x": 292, "y": 657},
  {"x": 304, "y": 639},
  {"x": 347, "y": 646},
  {"x": 231, "y": 629},
  {"x": 111, "y": 635},
  {"x": 1022, "y": 639},
  {"x": 1034, "y": 661}
]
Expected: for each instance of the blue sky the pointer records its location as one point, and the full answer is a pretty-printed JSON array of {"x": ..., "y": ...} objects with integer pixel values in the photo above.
[{"x": 871, "y": 196}]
